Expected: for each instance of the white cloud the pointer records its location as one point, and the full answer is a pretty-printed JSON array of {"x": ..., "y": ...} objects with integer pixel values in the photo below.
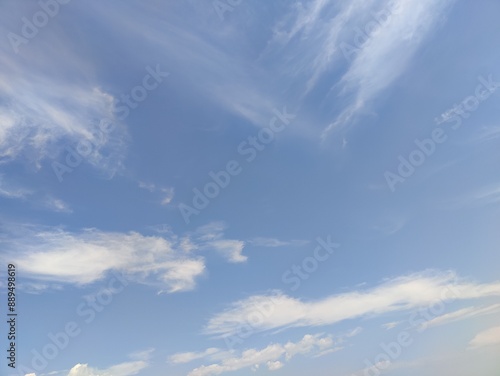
[
  {"x": 140, "y": 361},
  {"x": 486, "y": 196},
  {"x": 462, "y": 314},
  {"x": 310, "y": 43},
  {"x": 354, "y": 332},
  {"x": 488, "y": 337},
  {"x": 321, "y": 27},
  {"x": 37, "y": 287},
  {"x": 477, "y": 197},
  {"x": 391, "y": 325},
  {"x": 56, "y": 255},
  {"x": 272, "y": 242},
  {"x": 485, "y": 134},
  {"x": 12, "y": 191},
  {"x": 147, "y": 186},
  {"x": 402, "y": 293},
  {"x": 273, "y": 366},
  {"x": 168, "y": 195},
  {"x": 230, "y": 249},
  {"x": 211, "y": 237},
  {"x": 123, "y": 369},
  {"x": 56, "y": 205},
  {"x": 86, "y": 257},
  {"x": 166, "y": 192},
  {"x": 272, "y": 356},
  {"x": 187, "y": 357}
]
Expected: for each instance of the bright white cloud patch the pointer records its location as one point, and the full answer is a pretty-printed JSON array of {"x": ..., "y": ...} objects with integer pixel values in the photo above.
[
  {"x": 53, "y": 254},
  {"x": 398, "y": 294},
  {"x": 488, "y": 337}
]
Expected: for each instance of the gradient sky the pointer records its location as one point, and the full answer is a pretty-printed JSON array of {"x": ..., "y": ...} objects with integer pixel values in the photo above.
[{"x": 251, "y": 187}]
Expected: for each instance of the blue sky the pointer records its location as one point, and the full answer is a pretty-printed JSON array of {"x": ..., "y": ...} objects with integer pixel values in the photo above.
[{"x": 251, "y": 188}]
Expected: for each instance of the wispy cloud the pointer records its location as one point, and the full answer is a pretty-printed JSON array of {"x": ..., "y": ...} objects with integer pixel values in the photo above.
[
  {"x": 56, "y": 205},
  {"x": 402, "y": 293},
  {"x": 211, "y": 237},
  {"x": 167, "y": 193},
  {"x": 13, "y": 191},
  {"x": 387, "y": 54},
  {"x": 390, "y": 225},
  {"x": 46, "y": 109},
  {"x": 309, "y": 42},
  {"x": 476, "y": 197},
  {"x": 483, "y": 135},
  {"x": 391, "y": 325},
  {"x": 187, "y": 357},
  {"x": 273, "y": 242},
  {"x": 317, "y": 29},
  {"x": 462, "y": 314},
  {"x": 485, "y": 196},
  {"x": 147, "y": 186}
]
